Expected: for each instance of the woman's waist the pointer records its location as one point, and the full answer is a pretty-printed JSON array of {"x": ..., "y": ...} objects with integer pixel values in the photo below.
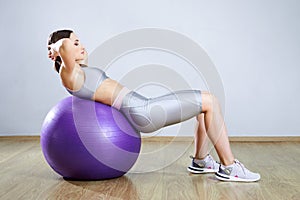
[{"x": 110, "y": 92}]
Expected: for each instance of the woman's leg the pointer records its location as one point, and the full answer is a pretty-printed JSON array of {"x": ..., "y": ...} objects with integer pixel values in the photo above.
[
  {"x": 148, "y": 115},
  {"x": 216, "y": 129},
  {"x": 201, "y": 139},
  {"x": 214, "y": 125}
]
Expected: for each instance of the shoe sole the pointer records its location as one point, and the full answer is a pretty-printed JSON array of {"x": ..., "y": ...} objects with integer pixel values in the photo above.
[
  {"x": 195, "y": 170},
  {"x": 224, "y": 177}
]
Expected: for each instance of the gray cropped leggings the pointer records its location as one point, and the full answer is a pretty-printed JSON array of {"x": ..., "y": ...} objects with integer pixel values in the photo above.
[{"x": 150, "y": 114}]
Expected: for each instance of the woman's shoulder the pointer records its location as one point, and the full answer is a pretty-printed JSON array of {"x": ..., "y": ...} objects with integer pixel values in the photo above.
[
  {"x": 72, "y": 80},
  {"x": 91, "y": 68}
]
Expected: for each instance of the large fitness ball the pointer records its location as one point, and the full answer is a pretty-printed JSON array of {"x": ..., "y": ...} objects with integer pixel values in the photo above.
[{"x": 87, "y": 140}]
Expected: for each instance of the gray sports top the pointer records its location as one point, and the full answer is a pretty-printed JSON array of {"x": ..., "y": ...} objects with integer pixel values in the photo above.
[{"x": 93, "y": 77}]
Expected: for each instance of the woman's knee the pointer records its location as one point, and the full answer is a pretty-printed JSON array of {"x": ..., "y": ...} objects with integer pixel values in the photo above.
[
  {"x": 200, "y": 117},
  {"x": 209, "y": 101}
]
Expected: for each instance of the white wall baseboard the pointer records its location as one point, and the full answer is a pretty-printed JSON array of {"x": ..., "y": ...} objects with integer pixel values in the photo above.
[{"x": 182, "y": 139}]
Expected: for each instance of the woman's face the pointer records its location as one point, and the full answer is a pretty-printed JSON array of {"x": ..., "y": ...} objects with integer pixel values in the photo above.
[{"x": 80, "y": 52}]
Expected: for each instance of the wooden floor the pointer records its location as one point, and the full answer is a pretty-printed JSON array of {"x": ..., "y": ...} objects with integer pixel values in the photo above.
[{"x": 24, "y": 174}]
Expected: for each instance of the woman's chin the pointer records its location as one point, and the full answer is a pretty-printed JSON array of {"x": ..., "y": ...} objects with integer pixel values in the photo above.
[{"x": 82, "y": 62}]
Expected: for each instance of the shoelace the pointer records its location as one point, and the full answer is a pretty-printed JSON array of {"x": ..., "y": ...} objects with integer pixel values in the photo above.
[
  {"x": 241, "y": 165},
  {"x": 212, "y": 160}
]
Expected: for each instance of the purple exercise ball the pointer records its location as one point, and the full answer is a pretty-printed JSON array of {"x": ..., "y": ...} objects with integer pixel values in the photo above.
[{"x": 87, "y": 140}]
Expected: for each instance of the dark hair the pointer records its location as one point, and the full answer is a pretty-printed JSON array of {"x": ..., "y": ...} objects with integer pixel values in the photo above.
[{"x": 53, "y": 38}]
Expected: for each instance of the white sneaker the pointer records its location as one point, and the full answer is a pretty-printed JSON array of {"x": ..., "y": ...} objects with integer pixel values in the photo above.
[
  {"x": 236, "y": 172},
  {"x": 207, "y": 165}
]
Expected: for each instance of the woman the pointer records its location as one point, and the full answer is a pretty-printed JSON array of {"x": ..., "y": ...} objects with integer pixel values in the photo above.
[{"x": 148, "y": 115}]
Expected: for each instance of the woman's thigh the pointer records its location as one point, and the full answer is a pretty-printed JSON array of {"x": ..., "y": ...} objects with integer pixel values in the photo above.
[{"x": 169, "y": 109}]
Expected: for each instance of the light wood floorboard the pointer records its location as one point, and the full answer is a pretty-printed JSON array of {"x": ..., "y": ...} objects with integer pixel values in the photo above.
[{"x": 24, "y": 174}]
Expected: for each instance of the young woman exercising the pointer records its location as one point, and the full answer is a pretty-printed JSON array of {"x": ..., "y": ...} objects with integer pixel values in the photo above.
[{"x": 150, "y": 114}]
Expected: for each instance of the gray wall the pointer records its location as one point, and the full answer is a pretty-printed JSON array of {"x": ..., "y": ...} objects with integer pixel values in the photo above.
[{"x": 255, "y": 46}]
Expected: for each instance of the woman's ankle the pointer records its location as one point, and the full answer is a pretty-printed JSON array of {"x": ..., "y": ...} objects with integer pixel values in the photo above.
[{"x": 227, "y": 162}]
